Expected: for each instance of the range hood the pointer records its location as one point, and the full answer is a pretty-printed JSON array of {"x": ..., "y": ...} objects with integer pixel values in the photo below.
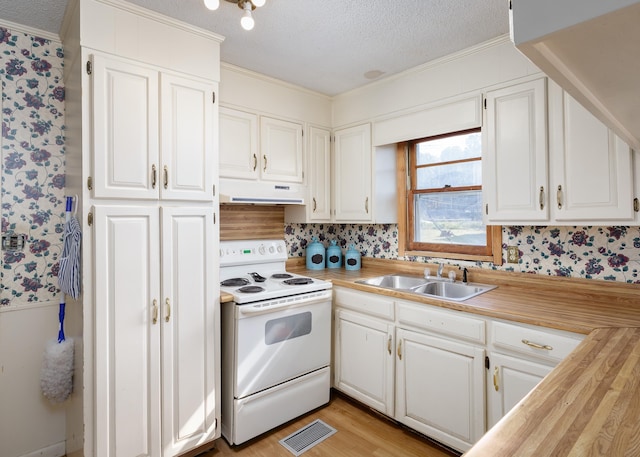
[
  {"x": 261, "y": 192},
  {"x": 591, "y": 48}
]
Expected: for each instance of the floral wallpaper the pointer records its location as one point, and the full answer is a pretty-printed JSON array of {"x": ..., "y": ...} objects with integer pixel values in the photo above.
[
  {"x": 32, "y": 164},
  {"x": 604, "y": 253}
]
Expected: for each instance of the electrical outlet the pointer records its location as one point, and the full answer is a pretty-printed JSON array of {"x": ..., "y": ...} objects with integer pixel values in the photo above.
[{"x": 513, "y": 254}]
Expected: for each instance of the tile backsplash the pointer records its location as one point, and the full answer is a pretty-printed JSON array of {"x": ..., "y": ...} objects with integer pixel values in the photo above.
[{"x": 603, "y": 253}]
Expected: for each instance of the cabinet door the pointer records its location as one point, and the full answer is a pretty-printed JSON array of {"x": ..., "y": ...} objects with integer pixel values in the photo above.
[
  {"x": 352, "y": 174},
  {"x": 238, "y": 144},
  {"x": 319, "y": 174},
  {"x": 190, "y": 341},
  {"x": 510, "y": 380},
  {"x": 188, "y": 148},
  {"x": 281, "y": 147},
  {"x": 127, "y": 331},
  {"x": 125, "y": 129},
  {"x": 363, "y": 361},
  {"x": 440, "y": 388},
  {"x": 592, "y": 169},
  {"x": 515, "y": 161}
]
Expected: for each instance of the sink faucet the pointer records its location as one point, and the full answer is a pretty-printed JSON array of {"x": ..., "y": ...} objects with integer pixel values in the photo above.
[{"x": 440, "y": 268}]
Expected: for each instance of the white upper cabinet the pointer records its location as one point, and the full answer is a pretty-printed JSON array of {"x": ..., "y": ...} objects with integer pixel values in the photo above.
[
  {"x": 188, "y": 146},
  {"x": 281, "y": 148},
  {"x": 276, "y": 154},
  {"x": 515, "y": 156},
  {"x": 125, "y": 129},
  {"x": 559, "y": 165},
  {"x": 319, "y": 174},
  {"x": 591, "y": 166},
  {"x": 238, "y": 144},
  {"x": 131, "y": 101},
  {"x": 352, "y": 166}
]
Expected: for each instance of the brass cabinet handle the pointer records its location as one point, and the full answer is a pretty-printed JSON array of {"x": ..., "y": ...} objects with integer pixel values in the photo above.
[
  {"x": 546, "y": 347},
  {"x": 541, "y": 197},
  {"x": 314, "y": 204},
  {"x": 255, "y": 162},
  {"x": 168, "y": 315},
  {"x": 389, "y": 344},
  {"x": 559, "y": 197},
  {"x": 154, "y": 175},
  {"x": 366, "y": 205},
  {"x": 496, "y": 381},
  {"x": 166, "y": 177},
  {"x": 154, "y": 318},
  {"x": 400, "y": 349},
  {"x": 264, "y": 167}
]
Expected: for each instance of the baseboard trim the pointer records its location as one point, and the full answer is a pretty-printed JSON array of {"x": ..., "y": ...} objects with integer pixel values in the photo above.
[{"x": 55, "y": 450}]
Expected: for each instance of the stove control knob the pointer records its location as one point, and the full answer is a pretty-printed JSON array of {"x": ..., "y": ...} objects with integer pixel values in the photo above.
[
  {"x": 271, "y": 250},
  {"x": 221, "y": 252},
  {"x": 261, "y": 249},
  {"x": 280, "y": 249}
]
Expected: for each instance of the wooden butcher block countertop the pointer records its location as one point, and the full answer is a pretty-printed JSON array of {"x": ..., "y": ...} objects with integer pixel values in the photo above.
[{"x": 589, "y": 405}]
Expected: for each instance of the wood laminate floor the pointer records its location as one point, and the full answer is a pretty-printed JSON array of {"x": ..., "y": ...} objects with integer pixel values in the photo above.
[{"x": 361, "y": 432}]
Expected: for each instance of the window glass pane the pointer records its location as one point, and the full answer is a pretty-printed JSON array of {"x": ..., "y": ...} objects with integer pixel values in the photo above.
[
  {"x": 450, "y": 218},
  {"x": 450, "y": 148},
  {"x": 451, "y": 175}
]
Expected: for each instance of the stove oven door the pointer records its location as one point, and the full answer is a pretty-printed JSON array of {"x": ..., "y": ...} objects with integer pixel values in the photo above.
[{"x": 278, "y": 343}]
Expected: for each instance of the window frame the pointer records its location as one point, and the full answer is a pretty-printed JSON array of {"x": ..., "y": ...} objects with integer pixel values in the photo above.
[{"x": 491, "y": 252}]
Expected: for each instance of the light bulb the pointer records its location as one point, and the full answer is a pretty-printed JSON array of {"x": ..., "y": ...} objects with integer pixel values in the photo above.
[
  {"x": 212, "y": 4},
  {"x": 246, "y": 21},
  {"x": 258, "y": 3}
]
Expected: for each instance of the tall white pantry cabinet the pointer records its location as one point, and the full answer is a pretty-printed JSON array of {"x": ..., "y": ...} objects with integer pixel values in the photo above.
[{"x": 142, "y": 146}]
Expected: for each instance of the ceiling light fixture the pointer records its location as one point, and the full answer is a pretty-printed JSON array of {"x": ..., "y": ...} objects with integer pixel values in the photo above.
[{"x": 246, "y": 21}]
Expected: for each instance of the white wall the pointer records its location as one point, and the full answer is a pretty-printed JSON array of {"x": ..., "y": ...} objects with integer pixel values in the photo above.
[
  {"x": 264, "y": 95},
  {"x": 473, "y": 69},
  {"x": 28, "y": 421}
]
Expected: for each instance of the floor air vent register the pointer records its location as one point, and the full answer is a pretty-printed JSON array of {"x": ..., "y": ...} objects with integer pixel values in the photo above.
[{"x": 307, "y": 437}]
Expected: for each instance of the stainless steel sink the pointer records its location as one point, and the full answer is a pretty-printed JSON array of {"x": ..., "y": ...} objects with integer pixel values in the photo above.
[
  {"x": 394, "y": 281},
  {"x": 440, "y": 288},
  {"x": 451, "y": 291}
]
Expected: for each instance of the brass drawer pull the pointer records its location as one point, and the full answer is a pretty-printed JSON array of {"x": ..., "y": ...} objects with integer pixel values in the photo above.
[
  {"x": 155, "y": 311},
  {"x": 168, "y": 306},
  {"x": 541, "y": 198},
  {"x": 255, "y": 162},
  {"x": 400, "y": 349},
  {"x": 389, "y": 344},
  {"x": 546, "y": 347},
  {"x": 154, "y": 176},
  {"x": 559, "y": 197},
  {"x": 496, "y": 382}
]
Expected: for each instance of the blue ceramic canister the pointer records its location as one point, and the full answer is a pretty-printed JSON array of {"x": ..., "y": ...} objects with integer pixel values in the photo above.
[
  {"x": 315, "y": 255},
  {"x": 334, "y": 255},
  {"x": 352, "y": 258}
]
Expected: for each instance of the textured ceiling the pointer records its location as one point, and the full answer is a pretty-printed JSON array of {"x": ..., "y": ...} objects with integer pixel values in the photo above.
[{"x": 324, "y": 45}]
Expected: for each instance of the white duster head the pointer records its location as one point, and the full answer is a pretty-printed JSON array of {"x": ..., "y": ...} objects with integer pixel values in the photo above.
[{"x": 56, "y": 379}]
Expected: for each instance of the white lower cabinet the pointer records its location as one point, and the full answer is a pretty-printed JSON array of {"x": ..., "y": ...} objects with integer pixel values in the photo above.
[
  {"x": 428, "y": 381},
  {"x": 520, "y": 356},
  {"x": 510, "y": 380},
  {"x": 447, "y": 374},
  {"x": 156, "y": 346},
  {"x": 364, "y": 359}
]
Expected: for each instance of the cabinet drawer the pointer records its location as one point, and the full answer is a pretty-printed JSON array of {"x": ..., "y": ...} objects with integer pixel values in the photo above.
[
  {"x": 540, "y": 343},
  {"x": 445, "y": 322},
  {"x": 375, "y": 305}
]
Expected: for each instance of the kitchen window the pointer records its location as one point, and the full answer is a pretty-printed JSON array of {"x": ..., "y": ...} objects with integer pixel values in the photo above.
[{"x": 443, "y": 194}]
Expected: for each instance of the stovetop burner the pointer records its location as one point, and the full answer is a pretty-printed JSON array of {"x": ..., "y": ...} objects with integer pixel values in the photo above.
[
  {"x": 234, "y": 282},
  {"x": 281, "y": 276},
  {"x": 298, "y": 281},
  {"x": 251, "y": 289}
]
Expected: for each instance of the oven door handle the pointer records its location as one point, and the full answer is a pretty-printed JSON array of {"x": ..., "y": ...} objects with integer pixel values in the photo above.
[{"x": 264, "y": 308}]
